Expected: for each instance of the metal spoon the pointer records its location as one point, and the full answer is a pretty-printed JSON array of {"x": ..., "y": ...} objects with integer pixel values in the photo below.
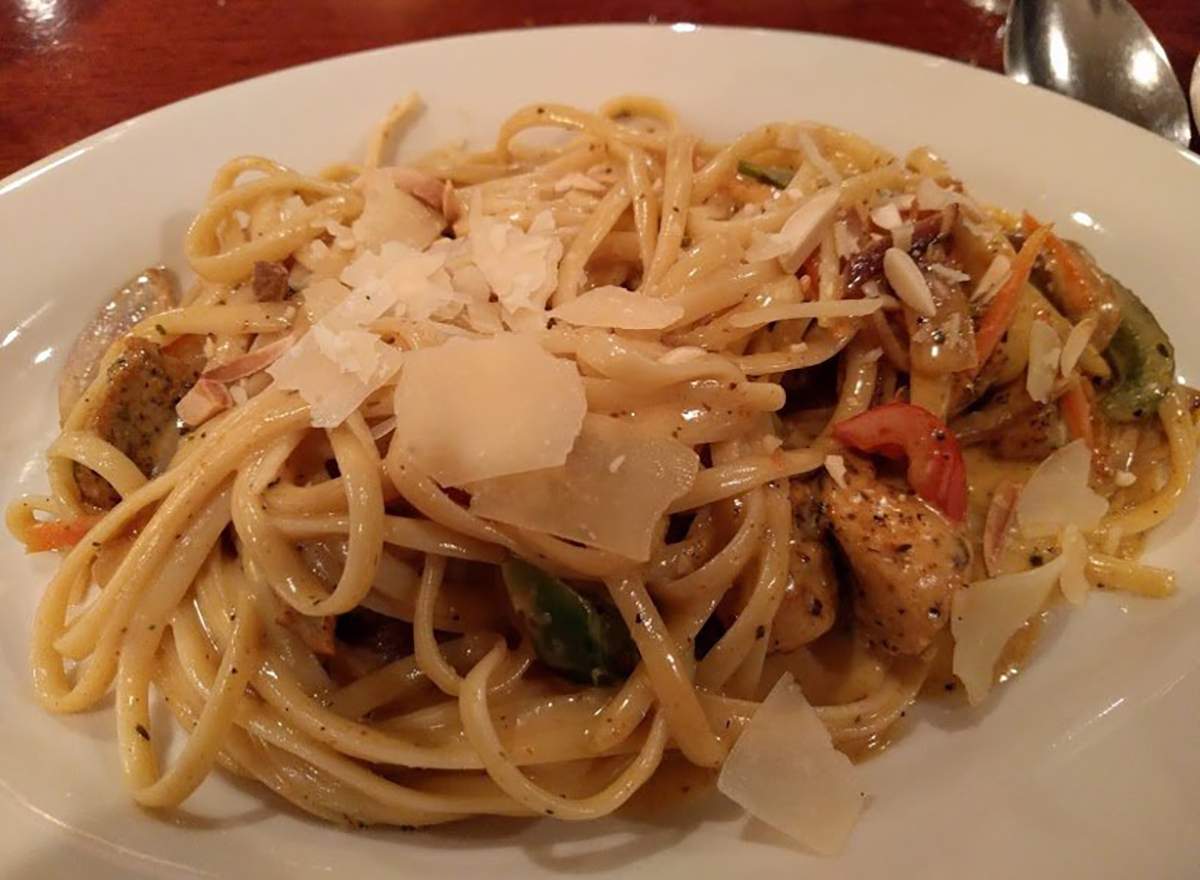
[{"x": 1100, "y": 52}]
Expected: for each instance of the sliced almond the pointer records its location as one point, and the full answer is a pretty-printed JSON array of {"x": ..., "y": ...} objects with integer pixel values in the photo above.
[
  {"x": 249, "y": 363},
  {"x": 906, "y": 280},
  {"x": 1075, "y": 343},
  {"x": 202, "y": 402},
  {"x": 992, "y": 279}
]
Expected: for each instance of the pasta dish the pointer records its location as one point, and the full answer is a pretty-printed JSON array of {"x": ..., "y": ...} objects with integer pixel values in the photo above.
[{"x": 589, "y": 469}]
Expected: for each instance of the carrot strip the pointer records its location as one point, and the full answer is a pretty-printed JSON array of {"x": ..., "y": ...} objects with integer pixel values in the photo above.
[
  {"x": 59, "y": 534},
  {"x": 1077, "y": 410},
  {"x": 1077, "y": 290},
  {"x": 1004, "y": 304}
]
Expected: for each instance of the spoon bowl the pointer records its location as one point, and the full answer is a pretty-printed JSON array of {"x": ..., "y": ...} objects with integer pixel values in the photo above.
[{"x": 1100, "y": 52}]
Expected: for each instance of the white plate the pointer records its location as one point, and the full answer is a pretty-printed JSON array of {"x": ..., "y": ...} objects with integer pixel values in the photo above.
[{"x": 1088, "y": 766}]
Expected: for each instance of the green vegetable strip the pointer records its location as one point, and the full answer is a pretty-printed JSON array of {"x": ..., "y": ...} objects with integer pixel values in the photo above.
[{"x": 776, "y": 177}]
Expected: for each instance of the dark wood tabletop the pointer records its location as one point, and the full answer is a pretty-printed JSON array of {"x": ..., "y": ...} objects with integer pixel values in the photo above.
[{"x": 69, "y": 68}]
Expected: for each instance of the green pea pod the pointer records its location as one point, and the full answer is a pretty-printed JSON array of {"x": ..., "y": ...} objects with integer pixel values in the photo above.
[
  {"x": 579, "y": 639},
  {"x": 776, "y": 177},
  {"x": 1143, "y": 361}
]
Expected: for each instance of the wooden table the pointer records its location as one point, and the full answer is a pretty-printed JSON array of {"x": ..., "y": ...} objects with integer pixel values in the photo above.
[{"x": 69, "y": 68}]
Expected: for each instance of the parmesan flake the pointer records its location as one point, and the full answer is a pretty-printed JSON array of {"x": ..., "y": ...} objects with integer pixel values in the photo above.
[
  {"x": 785, "y": 771},
  {"x": 475, "y": 409},
  {"x": 835, "y": 465}
]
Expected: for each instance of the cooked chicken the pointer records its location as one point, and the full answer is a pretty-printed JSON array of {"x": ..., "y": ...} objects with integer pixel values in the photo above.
[
  {"x": 906, "y": 558},
  {"x": 147, "y": 293},
  {"x": 810, "y": 601},
  {"x": 136, "y": 412}
]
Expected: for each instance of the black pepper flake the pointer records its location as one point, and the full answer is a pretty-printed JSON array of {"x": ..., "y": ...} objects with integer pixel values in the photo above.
[
  {"x": 760, "y": 632},
  {"x": 903, "y": 548},
  {"x": 143, "y": 732},
  {"x": 1036, "y": 560}
]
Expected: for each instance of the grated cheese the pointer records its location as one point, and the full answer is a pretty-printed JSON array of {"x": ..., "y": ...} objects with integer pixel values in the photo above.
[
  {"x": 835, "y": 465},
  {"x": 1124, "y": 478},
  {"x": 520, "y": 266},
  {"x": 844, "y": 241},
  {"x": 887, "y": 216},
  {"x": 338, "y": 362}
]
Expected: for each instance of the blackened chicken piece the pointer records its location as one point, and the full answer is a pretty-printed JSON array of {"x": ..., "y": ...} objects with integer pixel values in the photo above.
[
  {"x": 135, "y": 412},
  {"x": 906, "y": 559},
  {"x": 811, "y": 599}
]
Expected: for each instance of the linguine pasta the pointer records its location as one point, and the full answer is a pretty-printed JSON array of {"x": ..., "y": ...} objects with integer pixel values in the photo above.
[{"x": 511, "y": 482}]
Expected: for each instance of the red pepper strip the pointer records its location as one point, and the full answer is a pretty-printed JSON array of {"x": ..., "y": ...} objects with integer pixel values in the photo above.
[{"x": 903, "y": 430}]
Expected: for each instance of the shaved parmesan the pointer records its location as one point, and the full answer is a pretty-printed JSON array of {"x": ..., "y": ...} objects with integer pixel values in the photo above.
[
  {"x": 335, "y": 371},
  {"x": 1045, "y": 353},
  {"x": 907, "y": 281},
  {"x": 520, "y": 266},
  {"x": 1058, "y": 495},
  {"x": 338, "y": 362},
  {"x": 1075, "y": 343},
  {"x": 390, "y": 214},
  {"x": 590, "y": 501},
  {"x": 785, "y": 771},
  {"x": 1124, "y": 479},
  {"x": 800, "y": 235},
  {"x": 411, "y": 282},
  {"x": 473, "y": 409},
  {"x": 902, "y": 236},
  {"x": 931, "y": 197},
  {"x": 986, "y": 614},
  {"x": 836, "y": 308},
  {"x": 886, "y": 216},
  {"x": 844, "y": 241},
  {"x": 835, "y": 465},
  {"x": 320, "y": 297},
  {"x": 1073, "y": 581},
  {"x": 992, "y": 278},
  {"x": 616, "y": 307}
]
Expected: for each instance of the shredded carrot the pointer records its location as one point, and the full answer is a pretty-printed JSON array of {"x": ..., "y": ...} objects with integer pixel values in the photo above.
[
  {"x": 1004, "y": 304},
  {"x": 1077, "y": 410},
  {"x": 1078, "y": 293},
  {"x": 58, "y": 535}
]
